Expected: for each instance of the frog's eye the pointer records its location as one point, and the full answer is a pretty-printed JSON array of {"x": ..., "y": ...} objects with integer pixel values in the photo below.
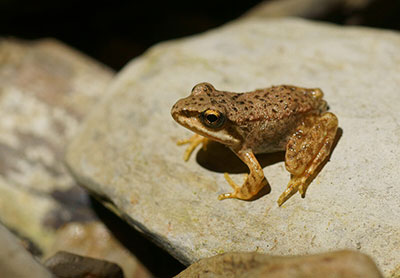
[
  {"x": 212, "y": 118},
  {"x": 203, "y": 88}
]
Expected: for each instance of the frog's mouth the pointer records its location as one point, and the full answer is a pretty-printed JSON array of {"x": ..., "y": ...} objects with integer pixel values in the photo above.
[{"x": 191, "y": 120}]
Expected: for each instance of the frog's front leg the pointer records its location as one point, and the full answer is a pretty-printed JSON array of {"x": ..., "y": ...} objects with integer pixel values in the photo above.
[
  {"x": 193, "y": 142},
  {"x": 306, "y": 150},
  {"x": 253, "y": 183}
]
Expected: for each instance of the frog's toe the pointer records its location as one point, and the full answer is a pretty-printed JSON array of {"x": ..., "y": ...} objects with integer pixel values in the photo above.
[
  {"x": 236, "y": 194},
  {"x": 245, "y": 192},
  {"x": 297, "y": 183},
  {"x": 227, "y": 196},
  {"x": 237, "y": 190},
  {"x": 302, "y": 190},
  {"x": 289, "y": 192},
  {"x": 231, "y": 182},
  {"x": 235, "y": 187},
  {"x": 193, "y": 142}
]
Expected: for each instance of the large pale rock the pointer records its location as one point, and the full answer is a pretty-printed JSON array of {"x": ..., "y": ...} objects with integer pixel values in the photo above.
[{"x": 126, "y": 152}]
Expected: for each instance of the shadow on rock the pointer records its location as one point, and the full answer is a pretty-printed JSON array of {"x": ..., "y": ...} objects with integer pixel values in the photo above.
[
  {"x": 221, "y": 159},
  {"x": 155, "y": 259}
]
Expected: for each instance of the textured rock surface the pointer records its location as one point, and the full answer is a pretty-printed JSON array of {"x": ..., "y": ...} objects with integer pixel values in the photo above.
[
  {"x": 127, "y": 153},
  {"x": 343, "y": 264},
  {"x": 45, "y": 90}
]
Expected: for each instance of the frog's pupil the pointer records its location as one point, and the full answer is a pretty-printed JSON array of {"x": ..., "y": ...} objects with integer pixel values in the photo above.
[{"x": 212, "y": 118}]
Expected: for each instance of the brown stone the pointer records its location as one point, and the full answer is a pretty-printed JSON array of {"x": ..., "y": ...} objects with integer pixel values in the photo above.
[
  {"x": 343, "y": 264},
  {"x": 69, "y": 265}
]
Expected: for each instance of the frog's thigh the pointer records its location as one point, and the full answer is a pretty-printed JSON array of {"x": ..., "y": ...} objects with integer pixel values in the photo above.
[
  {"x": 306, "y": 150},
  {"x": 253, "y": 183}
]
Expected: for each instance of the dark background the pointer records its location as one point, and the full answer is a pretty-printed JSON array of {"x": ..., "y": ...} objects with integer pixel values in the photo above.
[{"x": 114, "y": 32}]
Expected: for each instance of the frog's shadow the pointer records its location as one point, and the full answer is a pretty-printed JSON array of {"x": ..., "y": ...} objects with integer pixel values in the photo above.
[{"x": 219, "y": 158}]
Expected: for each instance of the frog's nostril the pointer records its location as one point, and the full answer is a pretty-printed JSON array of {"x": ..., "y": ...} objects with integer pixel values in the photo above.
[{"x": 186, "y": 113}]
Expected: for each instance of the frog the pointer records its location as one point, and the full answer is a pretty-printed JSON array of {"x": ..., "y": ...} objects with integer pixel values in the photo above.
[{"x": 278, "y": 118}]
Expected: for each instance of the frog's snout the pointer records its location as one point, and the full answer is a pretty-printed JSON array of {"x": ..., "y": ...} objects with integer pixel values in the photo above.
[
  {"x": 176, "y": 111},
  {"x": 173, "y": 110}
]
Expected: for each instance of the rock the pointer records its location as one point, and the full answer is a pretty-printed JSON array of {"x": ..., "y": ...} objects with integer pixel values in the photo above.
[
  {"x": 68, "y": 265},
  {"x": 46, "y": 89},
  {"x": 15, "y": 261},
  {"x": 341, "y": 264},
  {"x": 126, "y": 151},
  {"x": 306, "y": 8}
]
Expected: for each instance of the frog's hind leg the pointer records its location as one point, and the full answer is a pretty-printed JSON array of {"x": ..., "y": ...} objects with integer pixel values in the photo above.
[
  {"x": 306, "y": 150},
  {"x": 253, "y": 183}
]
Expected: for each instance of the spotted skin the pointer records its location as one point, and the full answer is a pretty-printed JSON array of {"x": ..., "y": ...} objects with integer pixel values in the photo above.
[{"x": 265, "y": 120}]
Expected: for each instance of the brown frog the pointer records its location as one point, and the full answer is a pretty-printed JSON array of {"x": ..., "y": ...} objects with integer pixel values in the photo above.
[{"x": 265, "y": 120}]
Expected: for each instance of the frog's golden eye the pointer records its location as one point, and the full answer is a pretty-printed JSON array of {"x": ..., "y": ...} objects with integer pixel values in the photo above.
[
  {"x": 212, "y": 118},
  {"x": 202, "y": 88}
]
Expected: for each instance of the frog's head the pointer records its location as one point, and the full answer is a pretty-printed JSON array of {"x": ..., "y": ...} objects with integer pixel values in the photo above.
[{"x": 204, "y": 112}]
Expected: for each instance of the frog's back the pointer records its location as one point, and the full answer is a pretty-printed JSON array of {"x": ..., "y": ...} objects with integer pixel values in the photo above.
[
  {"x": 267, "y": 117},
  {"x": 274, "y": 103}
]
